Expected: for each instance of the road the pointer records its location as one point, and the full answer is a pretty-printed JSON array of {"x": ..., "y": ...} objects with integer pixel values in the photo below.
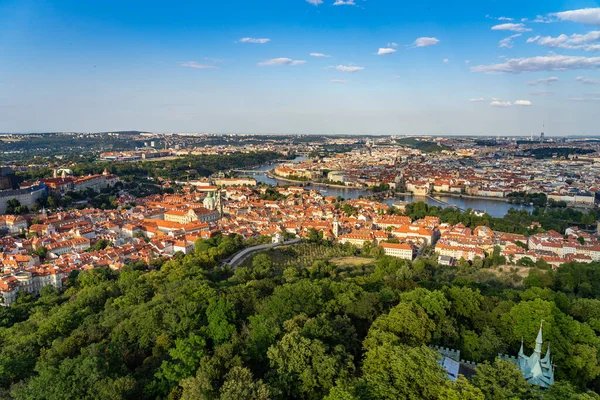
[{"x": 239, "y": 257}]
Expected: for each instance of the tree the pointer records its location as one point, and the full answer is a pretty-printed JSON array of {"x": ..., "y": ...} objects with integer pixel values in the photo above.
[
  {"x": 185, "y": 358},
  {"x": 349, "y": 210},
  {"x": 402, "y": 372},
  {"x": 240, "y": 385},
  {"x": 307, "y": 368},
  {"x": 502, "y": 380},
  {"x": 262, "y": 266},
  {"x": 220, "y": 315},
  {"x": 41, "y": 251},
  {"x": 465, "y": 301},
  {"x": 407, "y": 323},
  {"x": 13, "y": 206},
  {"x": 562, "y": 390}
]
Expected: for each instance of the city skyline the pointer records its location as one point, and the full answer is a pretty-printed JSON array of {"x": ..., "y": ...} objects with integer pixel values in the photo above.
[{"x": 305, "y": 67}]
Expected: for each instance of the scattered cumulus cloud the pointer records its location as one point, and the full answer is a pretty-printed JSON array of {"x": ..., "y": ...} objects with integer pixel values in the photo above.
[
  {"x": 543, "y": 81},
  {"x": 505, "y": 19},
  {"x": 500, "y": 103},
  {"x": 477, "y": 100},
  {"x": 385, "y": 50},
  {"x": 544, "y": 19},
  {"x": 344, "y": 3},
  {"x": 392, "y": 44},
  {"x": 319, "y": 55},
  {"x": 338, "y": 81},
  {"x": 588, "y": 16},
  {"x": 552, "y": 62},
  {"x": 522, "y": 103},
  {"x": 255, "y": 40},
  {"x": 445, "y": 61},
  {"x": 280, "y": 61},
  {"x": 511, "y": 27},
  {"x": 315, "y": 2},
  {"x": 574, "y": 42},
  {"x": 587, "y": 81},
  {"x": 348, "y": 68},
  {"x": 507, "y": 43},
  {"x": 195, "y": 65},
  {"x": 426, "y": 41}
]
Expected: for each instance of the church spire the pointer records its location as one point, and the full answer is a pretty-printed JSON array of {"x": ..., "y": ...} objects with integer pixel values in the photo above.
[
  {"x": 521, "y": 351},
  {"x": 539, "y": 341}
]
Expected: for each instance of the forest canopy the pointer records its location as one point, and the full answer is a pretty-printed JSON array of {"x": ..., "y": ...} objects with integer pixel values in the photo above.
[{"x": 296, "y": 324}]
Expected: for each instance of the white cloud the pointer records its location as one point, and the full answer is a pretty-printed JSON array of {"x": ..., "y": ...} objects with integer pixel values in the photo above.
[
  {"x": 280, "y": 61},
  {"x": 498, "y": 103},
  {"x": 588, "y": 16},
  {"x": 544, "y": 19},
  {"x": 575, "y": 41},
  {"x": 344, "y": 3},
  {"x": 194, "y": 64},
  {"x": 319, "y": 55},
  {"x": 543, "y": 81},
  {"x": 587, "y": 81},
  {"x": 392, "y": 44},
  {"x": 507, "y": 43},
  {"x": 315, "y": 2},
  {"x": 255, "y": 40},
  {"x": 385, "y": 50},
  {"x": 552, "y": 62},
  {"x": 445, "y": 61},
  {"x": 541, "y": 93},
  {"x": 522, "y": 103},
  {"x": 480, "y": 99},
  {"x": 426, "y": 41},
  {"x": 511, "y": 27},
  {"x": 338, "y": 81},
  {"x": 348, "y": 68},
  {"x": 505, "y": 19}
]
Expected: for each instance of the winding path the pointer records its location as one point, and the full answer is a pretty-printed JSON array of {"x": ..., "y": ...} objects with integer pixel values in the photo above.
[{"x": 241, "y": 255}]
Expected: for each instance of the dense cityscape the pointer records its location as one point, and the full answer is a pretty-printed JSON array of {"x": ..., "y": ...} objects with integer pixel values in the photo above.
[{"x": 251, "y": 209}]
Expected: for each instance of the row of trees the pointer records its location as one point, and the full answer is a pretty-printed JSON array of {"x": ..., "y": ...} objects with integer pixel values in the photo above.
[{"x": 515, "y": 221}]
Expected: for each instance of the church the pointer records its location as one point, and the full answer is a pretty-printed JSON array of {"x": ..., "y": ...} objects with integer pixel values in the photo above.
[{"x": 536, "y": 369}]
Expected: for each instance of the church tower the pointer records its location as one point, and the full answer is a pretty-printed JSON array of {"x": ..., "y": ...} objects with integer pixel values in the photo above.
[
  {"x": 336, "y": 227},
  {"x": 219, "y": 203}
]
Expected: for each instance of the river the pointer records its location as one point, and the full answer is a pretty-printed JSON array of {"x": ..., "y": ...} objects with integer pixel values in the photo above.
[{"x": 495, "y": 208}]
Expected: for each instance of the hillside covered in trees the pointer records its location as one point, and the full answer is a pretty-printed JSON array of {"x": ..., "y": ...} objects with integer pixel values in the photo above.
[{"x": 297, "y": 323}]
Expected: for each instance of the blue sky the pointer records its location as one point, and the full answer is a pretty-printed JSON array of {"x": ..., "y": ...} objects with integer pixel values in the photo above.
[{"x": 478, "y": 67}]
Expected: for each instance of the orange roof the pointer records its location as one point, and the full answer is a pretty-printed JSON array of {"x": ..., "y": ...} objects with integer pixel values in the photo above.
[{"x": 400, "y": 246}]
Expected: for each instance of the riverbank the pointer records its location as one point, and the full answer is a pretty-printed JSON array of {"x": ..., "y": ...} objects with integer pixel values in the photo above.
[
  {"x": 471, "y": 196},
  {"x": 279, "y": 178},
  {"x": 270, "y": 174}
]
